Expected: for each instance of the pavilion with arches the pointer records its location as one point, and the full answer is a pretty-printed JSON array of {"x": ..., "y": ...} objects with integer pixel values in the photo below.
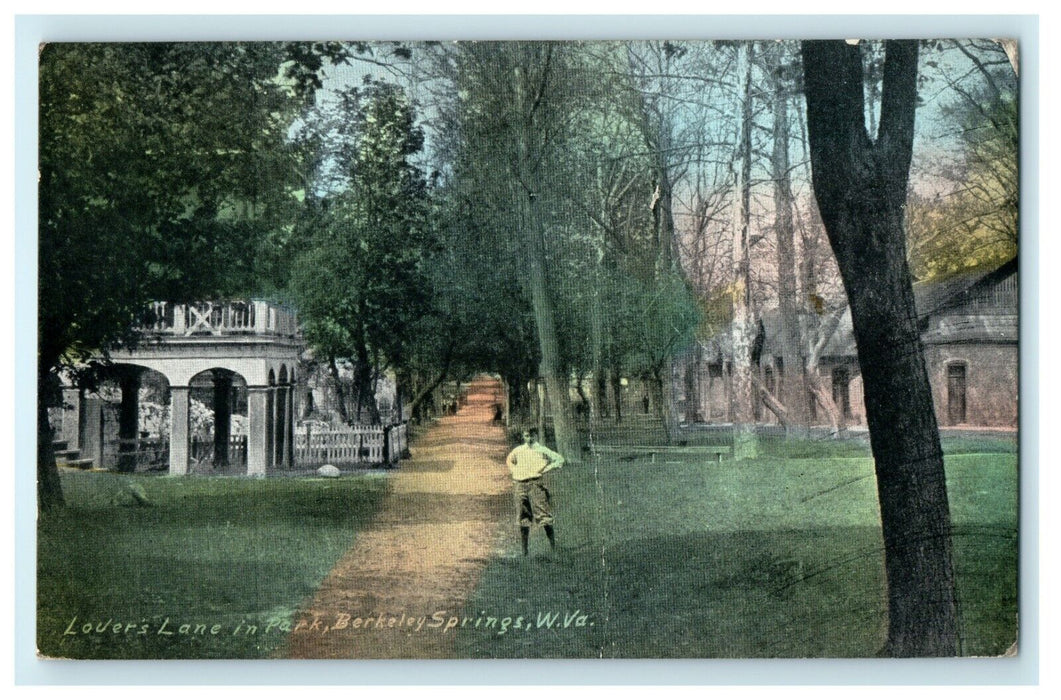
[{"x": 239, "y": 355}]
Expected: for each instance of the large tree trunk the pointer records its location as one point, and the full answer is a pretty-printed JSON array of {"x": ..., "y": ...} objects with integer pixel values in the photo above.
[
  {"x": 743, "y": 331},
  {"x": 861, "y": 186},
  {"x": 49, "y": 488},
  {"x": 792, "y": 387},
  {"x": 663, "y": 397},
  {"x": 556, "y": 383},
  {"x": 128, "y": 417},
  {"x": 598, "y": 395},
  {"x": 364, "y": 384},
  {"x": 528, "y": 174},
  {"x": 519, "y": 406},
  {"x": 340, "y": 394},
  {"x": 617, "y": 392},
  {"x": 426, "y": 391},
  {"x": 818, "y": 393}
]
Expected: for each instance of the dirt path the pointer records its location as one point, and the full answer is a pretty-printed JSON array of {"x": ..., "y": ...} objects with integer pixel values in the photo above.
[{"x": 423, "y": 554}]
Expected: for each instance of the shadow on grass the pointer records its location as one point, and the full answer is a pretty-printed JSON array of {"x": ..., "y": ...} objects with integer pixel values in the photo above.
[
  {"x": 797, "y": 593},
  {"x": 770, "y": 558},
  {"x": 221, "y": 553}
]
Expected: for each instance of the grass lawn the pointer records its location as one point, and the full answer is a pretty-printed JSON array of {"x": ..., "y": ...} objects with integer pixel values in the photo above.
[
  {"x": 223, "y": 553},
  {"x": 776, "y": 557}
]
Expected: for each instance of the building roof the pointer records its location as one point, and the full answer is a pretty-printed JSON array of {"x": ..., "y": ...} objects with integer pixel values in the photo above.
[
  {"x": 930, "y": 297},
  {"x": 938, "y": 295}
]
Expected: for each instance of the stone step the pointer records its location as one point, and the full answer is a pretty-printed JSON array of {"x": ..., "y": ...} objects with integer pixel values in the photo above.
[
  {"x": 59, "y": 446},
  {"x": 65, "y": 455},
  {"x": 78, "y": 463}
]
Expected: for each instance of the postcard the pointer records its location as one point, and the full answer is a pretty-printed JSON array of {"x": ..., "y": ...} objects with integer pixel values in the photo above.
[{"x": 528, "y": 349}]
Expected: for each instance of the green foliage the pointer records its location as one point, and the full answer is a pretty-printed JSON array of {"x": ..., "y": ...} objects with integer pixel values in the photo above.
[
  {"x": 653, "y": 321},
  {"x": 160, "y": 167},
  {"x": 359, "y": 279},
  {"x": 578, "y": 148}
]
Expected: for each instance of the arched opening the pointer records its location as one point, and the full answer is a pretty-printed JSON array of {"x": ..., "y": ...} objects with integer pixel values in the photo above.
[
  {"x": 125, "y": 425},
  {"x": 217, "y": 421}
]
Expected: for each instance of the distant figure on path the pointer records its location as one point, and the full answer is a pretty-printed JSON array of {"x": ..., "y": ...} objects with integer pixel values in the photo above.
[{"x": 527, "y": 463}]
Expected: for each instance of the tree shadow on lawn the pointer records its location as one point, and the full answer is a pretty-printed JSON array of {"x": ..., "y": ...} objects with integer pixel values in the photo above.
[
  {"x": 136, "y": 607},
  {"x": 208, "y": 551},
  {"x": 787, "y": 593}
]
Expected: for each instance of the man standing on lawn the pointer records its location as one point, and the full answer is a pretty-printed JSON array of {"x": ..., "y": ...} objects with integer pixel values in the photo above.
[{"x": 527, "y": 463}]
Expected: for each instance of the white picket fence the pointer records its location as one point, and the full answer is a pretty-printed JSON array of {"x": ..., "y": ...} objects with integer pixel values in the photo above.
[{"x": 356, "y": 444}]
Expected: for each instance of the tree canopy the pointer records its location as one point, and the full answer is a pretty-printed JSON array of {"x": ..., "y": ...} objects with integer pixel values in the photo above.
[{"x": 545, "y": 210}]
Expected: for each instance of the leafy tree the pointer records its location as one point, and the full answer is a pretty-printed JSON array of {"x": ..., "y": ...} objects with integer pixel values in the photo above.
[
  {"x": 517, "y": 105},
  {"x": 359, "y": 281},
  {"x": 160, "y": 167}
]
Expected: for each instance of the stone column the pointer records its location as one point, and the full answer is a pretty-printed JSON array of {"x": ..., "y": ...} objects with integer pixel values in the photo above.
[
  {"x": 258, "y": 419},
  {"x": 289, "y": 428},
  {"x": 222, "y": 417},
  {"x": 179, "y": 430},
  {"x": 92, "y": 445},
  {"x": 128, "y": 419},
  {"x": 71, "y": 430},
  {"x": 280, "y": 411},
  {"x": 270, "y": 426}
]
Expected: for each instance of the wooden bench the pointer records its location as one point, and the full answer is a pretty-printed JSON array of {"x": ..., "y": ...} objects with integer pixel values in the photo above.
[
  {"x": 713, "y": 451},
  {"x": 85, "y": 463}
]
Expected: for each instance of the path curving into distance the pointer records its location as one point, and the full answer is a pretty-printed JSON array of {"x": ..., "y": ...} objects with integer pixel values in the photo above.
[{"x": 422, "y": 556}]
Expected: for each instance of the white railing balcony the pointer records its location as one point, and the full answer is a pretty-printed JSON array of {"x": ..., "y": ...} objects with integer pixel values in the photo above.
[{"x": 221, "y": 318}]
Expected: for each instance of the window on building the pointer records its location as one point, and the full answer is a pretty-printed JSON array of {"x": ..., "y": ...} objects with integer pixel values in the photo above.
[
  {"x": 956, "y": 399},
  {"x": 842, "y": 390}
]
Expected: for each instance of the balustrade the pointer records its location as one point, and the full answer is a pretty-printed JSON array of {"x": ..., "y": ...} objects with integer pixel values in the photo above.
[{"x": 220, "y": 318}]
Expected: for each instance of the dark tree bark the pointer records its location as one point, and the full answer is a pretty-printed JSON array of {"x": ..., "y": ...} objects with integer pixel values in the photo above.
[
  {"x": 860, "y": 186},
  {"x": 340, "y": 394},
  {"x": 617, "y": 392},
  {"x": 424, "y": 393},
  {"x": 49, "y": 488},
  {"x": 363, "y": 382}
]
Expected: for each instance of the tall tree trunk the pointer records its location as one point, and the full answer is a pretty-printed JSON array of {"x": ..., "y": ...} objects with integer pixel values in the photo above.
[
  {"x": 556, "y": 382},
  {"x": 518, "y": 399},
  {"x": 340, "y": 394},
  {"x": 49, "y": 487},
  {"x": 528, "y": 174},
  {"x": 825, "y": 328},
  {"x": 792, "y": 387},
  {"x": 364, "y": 384},
  {"x": 427, "y": 390},
  {"x": 744, "y": 437},
  {"x": 617, "y": 392},
  {"x": 663, "y": 216},
  {"x": 599, "y": 399},
  {"x": 663, "y": 397},
  {"x": 861, "y": 187}
]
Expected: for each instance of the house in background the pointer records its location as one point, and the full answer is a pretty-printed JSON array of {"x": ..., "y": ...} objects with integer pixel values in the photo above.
[{"x": 970, "y": 332}]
